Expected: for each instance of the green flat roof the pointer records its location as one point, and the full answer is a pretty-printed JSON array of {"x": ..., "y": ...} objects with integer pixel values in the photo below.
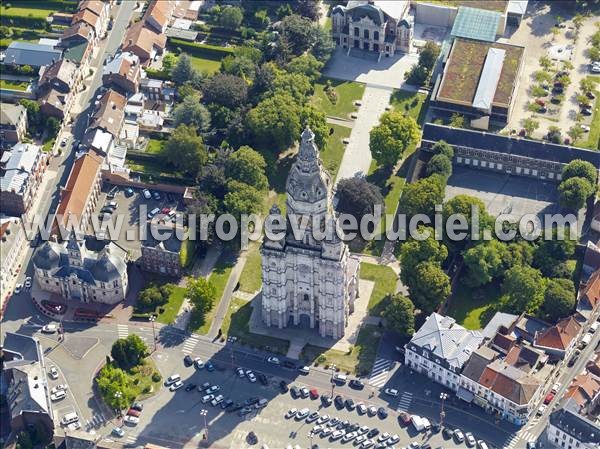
[
  {"x": 477, "y": 24},
  {"x": 75, "y": 53}
]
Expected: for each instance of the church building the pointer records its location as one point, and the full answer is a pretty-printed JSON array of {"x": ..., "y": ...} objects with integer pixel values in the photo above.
[
  {"x": 309, "y": 282},
  {"x": 383, "y": 27}
]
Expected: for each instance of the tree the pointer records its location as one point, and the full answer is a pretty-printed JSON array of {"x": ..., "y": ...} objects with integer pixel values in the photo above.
[
  {"x": 114, "y": 385},
  {"x": 542, "y": 76},
  {"x": 358, "y": 197},
  {"x": 317, "y": 121},
  {"x": 417, "y": 75},
  {"x": 465, "y": 206},
  {"x": 422, "y": 196},
  {"x": 400, "y": 315},
  {"x": 394, "y": 134},
  {"x": 34, "y": 116},
  {"x": 306, "y": 65},
  {"x": 324, "y": 45},
  {"x": 295, "y": 84},
  {"x": 524, "y": 288},
  {"x": 169, "y": 62},
  {"x": 128, "y": 352},
  {"x": 439, "y": 164},
  {"x": 299, "y": 32},
  {"x": 551, "y": 252},
  {"x": 429, "y": 287},
  {"x": 582, "y": 169},
  {"x": 242, "y": 198},
  {"x": 559, "y": 299},
  {"x": 546, "y": 62},
  {"x": 307, "y": 8},
  {"x": 183, "y": 70},
  {"x": 574, "y": 192},
  {"x": 457, "y": 121},
  {"x": 149, "y": 298},
  {"x": 201, "y": 294},
  {"x": 241, "y": 66},
  {"x": 587, "y": 85},
  {"x": 428, "y": 55},
  {"x": 248, "y": 166},
  {"x": 443, "y": 147},
  {"x": 575, "y": 132},
  {"x": 554, "y": 134},
  {"x": 413, "y": 252},
  {"x": 275, "y": 122},
  {"x": 231, "y": 18},
  {"x": 191, "y": 112},
  {"x": 530, "y": 125},
  {"x": 185, "y": 150},
  {"x": 52, "y": 126},
  {"x": 227, "y": 90},
  {"x": 484, "y": 263}
]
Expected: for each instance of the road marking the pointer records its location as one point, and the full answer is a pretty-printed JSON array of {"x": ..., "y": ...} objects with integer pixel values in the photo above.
[
  {"x": 131, "y": 439},
  {"x": 512, "y": 442},
  {"x": 189, "y": 345},
  {"x": 96, "y": 420},
  {"x": 122, "y": 330},
  {"x": 405, "y": 401},
  {"x": 380, "y": 372}
]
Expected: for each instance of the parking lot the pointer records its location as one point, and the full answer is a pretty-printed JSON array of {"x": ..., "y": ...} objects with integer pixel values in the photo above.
[
  {"x": 130, "y": 207},
  {"x": 176, "y": 418}
]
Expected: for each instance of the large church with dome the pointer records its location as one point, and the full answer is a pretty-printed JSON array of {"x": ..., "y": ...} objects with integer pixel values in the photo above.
[{"x": 309, "y": 282}]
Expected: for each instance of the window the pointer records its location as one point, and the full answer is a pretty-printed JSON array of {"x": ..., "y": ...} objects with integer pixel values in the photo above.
[
  {"x": 366, "y": 34},
  {"x": 356, "y": 32},
  {"x": 306, "y": 297},
  {"x": 376, "y": 35}
]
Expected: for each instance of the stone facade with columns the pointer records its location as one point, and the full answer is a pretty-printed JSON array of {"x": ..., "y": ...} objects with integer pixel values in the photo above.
[
  {"x": 383, "y": 27},
  {"x": 309, "y": 281}
]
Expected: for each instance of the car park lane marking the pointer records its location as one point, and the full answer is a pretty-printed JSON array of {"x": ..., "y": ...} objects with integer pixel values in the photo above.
[
  {"x": 380, "y": 372},
  {"x": 122, "y": 330},
  {"x": 189, "y": 345}
]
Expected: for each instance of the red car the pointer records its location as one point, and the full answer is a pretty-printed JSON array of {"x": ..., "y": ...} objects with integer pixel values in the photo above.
[
  {"x": 404, "y": 418},
  {"x": 314, "y": 394},
  {"x": 548, "y": 398},
  {"x": 133, "y": 412},
  {"x": 165, "y": 210}
]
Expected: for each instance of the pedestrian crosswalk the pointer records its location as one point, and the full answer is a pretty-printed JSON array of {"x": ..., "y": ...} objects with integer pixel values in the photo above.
[
  {"x": 380, "y": 372},
  {"x": 131, "y": 439},
  {"x": 512, "y": 442},
  {"x": 122, "y": 330},
  {"x": 405, "y": 401},
  {"x": 189, "y": 345},
  {"x": 525, "y": 434}
]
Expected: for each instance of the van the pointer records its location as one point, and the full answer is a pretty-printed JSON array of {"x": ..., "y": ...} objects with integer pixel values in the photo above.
[
  {"x": 153, "y": 212},
  {"x": 340, "y": 378},
  {"x": 69, "y": 418},
  {"x": 594, "y": 327},
  {"x": 172, "y": 379}
]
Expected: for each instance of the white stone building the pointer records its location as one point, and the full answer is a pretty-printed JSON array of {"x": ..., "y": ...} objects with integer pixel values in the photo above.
[
  {"x": 383, "y": 27},
  {"x": 96, "y": 272},
  {"x": 309, "y": 282},
  {"x": 440, "y": 348}
]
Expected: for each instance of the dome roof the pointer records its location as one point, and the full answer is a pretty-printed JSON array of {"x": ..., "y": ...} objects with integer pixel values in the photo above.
[
  {"x": 46, "y": 257},
  {"x": 108, "y": 267},
  {"x": 368, "y": 10}
]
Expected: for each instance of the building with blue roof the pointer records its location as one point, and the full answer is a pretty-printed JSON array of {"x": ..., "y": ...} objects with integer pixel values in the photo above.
[
  {"x": 478, "y": 24},
  {"x": 34, "y": 55}
]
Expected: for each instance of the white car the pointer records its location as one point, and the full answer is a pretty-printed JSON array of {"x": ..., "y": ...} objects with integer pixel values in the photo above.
[
  {"x": 60, "y": 394},
  {"x": 359, "y": 439},
  {"x": 198, "y": 363},
  {"x": 361, "y": 408},
  {"x": 470, "y": 439},
  {"x": 384, "y": 436},
  {"x": 131, "y": 420},
  {"x": 241, "y": 373},
  {"x": 58, "y": 388},
  {"x": 391, "y": 392},
  {"x": 49, "y": 328},
  {"x": 250, "y": 375},
  {"x": 273, "y": 360},
  {"x": 28, "y": 282},
  {"x": 291, "y": 413},
  {"x": 541, "y": 410},
  {"x": 216, "y": 401},
  {"x": 372, "y": 410},
  {"x": 323, "y": 419},
  {"x": 176, "y": 386},
  {"x": 207, "y": 398},
  {"x": 53, "y": 373},
  {"x": 337, "y": 435},
  {"x": 349, "y": 436},
  {"x": 74, "y": 426},
  {"x": 367, "y": 444},
  {"x": 304, "y": 369},
  {"x": 326, "y": 432},
  {"x": 18, "y": 289},
  {"x": 317, "y": 429},
  {"x": 585, "y": 128},
  {"x": 213, "y": 389},
  {"x": 301, "y": 414},
  {"x": 482, "y": 444},
  {"x": 117, "y": 431},
  {"x": 147, "y": 194},
  {"x": 393, "y": 440}
]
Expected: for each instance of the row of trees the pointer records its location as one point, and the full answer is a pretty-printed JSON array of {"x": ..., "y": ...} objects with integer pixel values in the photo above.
[
  {"x": 419, "y": 74},
  {"x": 578, "y": 183}
]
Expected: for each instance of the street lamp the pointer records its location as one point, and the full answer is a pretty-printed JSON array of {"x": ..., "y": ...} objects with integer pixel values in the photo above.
[
  {"x": 152, "y": 319},
  {"x": 204, "y": 412},
  {"x": 118, "y": 395},
  {"x": 443, "y": 397},
  {"x": 332, "y": 382}
]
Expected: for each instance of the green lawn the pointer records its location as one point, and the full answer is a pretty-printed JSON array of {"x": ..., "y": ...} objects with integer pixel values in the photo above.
[
  {"x": 14, "y": 85},
  {"x": 251, "y": 277},
  {"x": 593, "y": 137},
  {"x": 36, "y": 13},
  {"x": 385, "y": 285},
  {"x": 359, "y": 360},
  {"x": 219, "y": 277},
  {"x": 206, "y": 65},
  {"x": 168, "y": 312},
  {"x": 154, "y": 146},
  {"x": 152, "y": 170},
  {"x": 235, "y": 324},
  {"x": 332, "y": 155},
  {"x": 347, "y": 93},
  {"x": 411, "y": 103},
  {"x": 473, "y": 308}
]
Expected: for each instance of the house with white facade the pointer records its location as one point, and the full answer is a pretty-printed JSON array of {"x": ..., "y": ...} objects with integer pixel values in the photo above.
[{"x": 440, "y": 348}]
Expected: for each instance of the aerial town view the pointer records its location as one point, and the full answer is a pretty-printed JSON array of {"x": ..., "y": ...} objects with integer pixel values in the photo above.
[{"x": 300, "y": 224}]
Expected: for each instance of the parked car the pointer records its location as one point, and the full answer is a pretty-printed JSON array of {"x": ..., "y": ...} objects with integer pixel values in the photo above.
[
  {"x": 190, "y": 387},
  {"x": 459, "y": 436},
  {"x": 391, "y": 392},
  {"x": 291, "y": 413},
  {"x": 226, "y": 403},
  {"x": 361, "y": 408},
  {"x": 585, "y": 128},
  {"x": 283, "y": 386},
  {"x": 210, "y": 367},
  {"x": 339, "y": 401},
  {"x": 146, "y": 194},
  {"x": 326, "y": 400},
  {"x": 133, "y": 412},
  {"x": 198, "y": 363},
  {"x": 172, "y": 379},
  {"x": 207, "y": 398},
  {"x": 295, "y": 392},
  {"x": 555, "y": 387},
  {"x": 350, "y": 404},
  {"x": 273, "y": 360},
  {"x": 356, "y": 384},
  {"x": 137, "y": 406},
  {"x": 58, "y": 388},
  {"x": 301, "y": 414},
  {"x": 156, "y": 195},
  {"x": 404, "y": 418},
  {"x": 176, "y": 386},
  {"x": 382, "y": 412},
  {"x": 540, "y": 102},
  {"x": 240, "y": 372},
  {"x": 131, "y": 420},
  {"x": 470, "y": 439},
  {"x": 188, "y": 361},
  {"x": 217, "y": 400},
  {"x": 250, "y": 375},
  {"x": 118, "y": 432},
  {"x": 53, "y": 373},
  {"x": 312, "y": 417},
  {"x": 548, "y": 398},
  {"x": 57, "y": 396},
  {"x": 314, "y": 394},
  {"x": 304, "y": 370},
  {"x": 304, "y": 392},
  {"x": 49, "y": 328}
]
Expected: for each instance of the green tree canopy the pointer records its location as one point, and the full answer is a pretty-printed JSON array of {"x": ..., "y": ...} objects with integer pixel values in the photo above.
[
  {"x": 413, "y": 252},
  {"x": 242, "y": 199},
  {"x": 439, "y": 164},
  {"x": 484, "y": 263},
  {"x": 581, "y": 169},
  {"x": 231, "y": 18},
  {"x": 524, "y": 288},
  {"x": 115, "y": 388},
  {"x": 429, "y": 286},
  {"x": 183, "y": 70},
  {"x": 297, "y": 85},
  {"x": 422, "y": 196},
  {"x": 191, "y": 112},
  {"x": 185, "y": 150},
  {"x": 443, "y": 147},
  {"x": 574, "y": 192},
  {"x": 466, "y": 206},
  {"x": 306, "y": 65},
  {"x": 317, "y": 121},
  {"x": 227, "y": 90},
  {"x": 248, "y": 166},
  {"x": 394, "y": 134},
  {"x": 128, "y": 352},
  {"x": 323, "y": 46},
  {"x": 551, "y": 252},
  {"x": 559, "y": 299},
  {"x": 400, "y": 315},
  {"x": 358, "y": 197},
  {"x": 299, "y": 32},
  {"x": 428, "y": 55},
  {"x": 275, "y": 122},
  {"x": 201, "y": 293}
]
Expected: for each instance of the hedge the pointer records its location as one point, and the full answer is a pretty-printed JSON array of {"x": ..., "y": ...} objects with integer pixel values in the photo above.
[
  {"x": 158, "y": 74},
  {"x": 202, "y": 50}
]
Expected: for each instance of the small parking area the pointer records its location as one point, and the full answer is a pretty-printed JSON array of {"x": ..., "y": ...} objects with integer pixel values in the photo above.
[
  {"x": 131, "y": 206},
  {"x": 504, "y": 194}
]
